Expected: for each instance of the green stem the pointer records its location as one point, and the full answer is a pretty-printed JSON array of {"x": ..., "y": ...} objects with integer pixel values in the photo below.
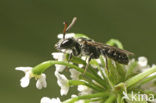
[
  {"x": 90, "y": 85},
  {"x": 148, "y": 79},
  {"x": 110, "y": 99},
  {"x": 40, "y": 68},
  {"x": 76, "y": 82},
  {"x": 119, "y": 98},
  {"x": 96, "y": 95},
  {"x": 45, "y": 65},
  {"x": 80, "y": 61},
  {"x": 115, "y": 42},
  {"x": 103, "y": 81},
  {"x": 137, "y": 78}
]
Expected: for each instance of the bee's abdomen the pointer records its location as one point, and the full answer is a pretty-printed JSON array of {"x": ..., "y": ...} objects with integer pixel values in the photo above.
[{"x": 116, "y": 55}]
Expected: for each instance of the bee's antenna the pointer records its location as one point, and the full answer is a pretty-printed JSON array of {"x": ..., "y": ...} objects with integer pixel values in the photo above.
[
  {"x": 66, "y": 27},
  {"x": 64, "y": 30},
  {"x": 72, "y": 23}
]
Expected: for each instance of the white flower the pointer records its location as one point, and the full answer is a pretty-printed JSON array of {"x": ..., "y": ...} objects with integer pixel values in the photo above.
[
  {"x": 68, "y": 35},
  {"x": 142, "y": 64},
  {"x": 84, "y": 90},
  {"x": 26, "y": 79},
  {"x": 62, "y": 81},
  {"x": 74, "y": 74},
  {"x": 41, "y": 79},
  {"x": 48, "y": 100},
  {"x": 60, "y": 57},
  {"x": 41, "y": 82},
  {"x": 142, "y": 61}
]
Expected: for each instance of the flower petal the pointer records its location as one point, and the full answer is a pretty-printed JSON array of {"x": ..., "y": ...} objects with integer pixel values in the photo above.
[
  {"x": 25, "y": 80},
  {"x": 57, "y": 55},
  {"x": 84, "y": 90},
  {"x": 68, "y": 35},
  {"x": 142, "y": 61},
  {"x": 46, "y": 100},
  {"x": 55, "y": 100},
  {"x": 59, "y": 68},
  {"x": 64, "y": 91},
  {"x": 24, "y": 69},
  {"x": 74, "y": 74},
  {"x": 62, "y": 82},
  {"x": 41, "y": 82},
  {"x": 60, "y": 57}
]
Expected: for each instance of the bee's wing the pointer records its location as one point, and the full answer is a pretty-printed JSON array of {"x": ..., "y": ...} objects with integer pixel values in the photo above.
[
  {"x": 104, "y": 46},
  {"x": 117, "y": 49}
]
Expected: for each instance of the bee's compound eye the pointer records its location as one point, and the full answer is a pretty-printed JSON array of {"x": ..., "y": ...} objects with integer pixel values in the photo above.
[{"x": 67, "y": 43}]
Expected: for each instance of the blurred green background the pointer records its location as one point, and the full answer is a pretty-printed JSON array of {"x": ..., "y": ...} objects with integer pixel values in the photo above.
[{"x": 28, "y": 31}]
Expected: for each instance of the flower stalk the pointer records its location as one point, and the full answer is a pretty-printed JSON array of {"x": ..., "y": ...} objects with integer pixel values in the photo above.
[
  {"x": 90, "y": 96},
  {"x": 139, "y": 77}
]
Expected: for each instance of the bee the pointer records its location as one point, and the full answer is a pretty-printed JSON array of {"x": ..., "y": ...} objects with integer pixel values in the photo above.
[{"x": 93, "y": 50}]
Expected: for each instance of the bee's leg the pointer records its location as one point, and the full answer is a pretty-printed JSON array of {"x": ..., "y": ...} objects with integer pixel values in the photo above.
[
  {"x": 87, "y": 62},
  {"x": 68, "y": 60},
  {"x": 106, "y": 60},
  {"x": 106, "y": 63},
  {"x": 70, "y": 56}
]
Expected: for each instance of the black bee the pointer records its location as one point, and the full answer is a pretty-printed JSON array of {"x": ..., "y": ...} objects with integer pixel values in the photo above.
[{"x": 90, "y": 48}]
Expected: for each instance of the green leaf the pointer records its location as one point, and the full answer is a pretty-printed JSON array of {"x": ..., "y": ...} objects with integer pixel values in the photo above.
[
  {"x": 131, "y": 69},
  {"x": 113, "y": 73},
  {"x": 121, "y": 71},
  {"x": 78, "y": 35}
]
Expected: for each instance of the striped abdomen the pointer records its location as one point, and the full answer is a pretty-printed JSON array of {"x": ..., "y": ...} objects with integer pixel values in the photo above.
[{"x": 116, "y": 54}]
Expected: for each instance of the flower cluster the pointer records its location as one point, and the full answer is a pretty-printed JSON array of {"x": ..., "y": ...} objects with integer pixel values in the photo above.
[
  {"x": 98, "y": 84},
  {"x": 41, "y": 79}
]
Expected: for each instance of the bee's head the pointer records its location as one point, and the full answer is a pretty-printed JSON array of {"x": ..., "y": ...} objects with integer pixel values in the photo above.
[{"x": 65, "y": 44}]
